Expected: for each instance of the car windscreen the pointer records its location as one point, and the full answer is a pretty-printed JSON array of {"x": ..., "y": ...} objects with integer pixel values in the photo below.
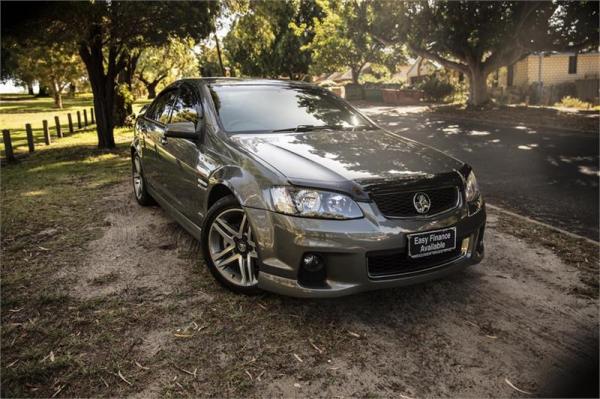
[{"x": 268, "y": 108}]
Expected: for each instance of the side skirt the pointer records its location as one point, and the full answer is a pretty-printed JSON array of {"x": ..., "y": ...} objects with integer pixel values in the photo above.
[{"x": 179, "y": 217}]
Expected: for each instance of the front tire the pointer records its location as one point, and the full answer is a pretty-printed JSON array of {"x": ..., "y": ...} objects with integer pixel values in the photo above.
[
  {"x": 229, "y": 247},
  {"x": 139, "y": 182}
]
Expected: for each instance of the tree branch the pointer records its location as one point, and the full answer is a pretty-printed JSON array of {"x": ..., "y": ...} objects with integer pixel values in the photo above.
[{"x": 457, "y": 66}]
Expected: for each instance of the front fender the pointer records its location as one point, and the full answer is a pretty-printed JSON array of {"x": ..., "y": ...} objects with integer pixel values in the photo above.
[
  {"x": 136, "y": 146},
  {"x": 250, "y": 186}
]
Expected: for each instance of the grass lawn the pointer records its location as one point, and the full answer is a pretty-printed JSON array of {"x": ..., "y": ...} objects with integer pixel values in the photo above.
[
  {"x": 17, "y": 110},
  {"x": 50, "y": 208}
]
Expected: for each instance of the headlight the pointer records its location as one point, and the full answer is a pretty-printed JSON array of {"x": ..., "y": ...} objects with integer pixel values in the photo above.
[
  {"x": 314, "y": 203},
  {"x": 472, "y": 188}
]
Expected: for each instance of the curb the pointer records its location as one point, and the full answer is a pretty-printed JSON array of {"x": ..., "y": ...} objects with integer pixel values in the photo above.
[{"x": 546, "y": 225}]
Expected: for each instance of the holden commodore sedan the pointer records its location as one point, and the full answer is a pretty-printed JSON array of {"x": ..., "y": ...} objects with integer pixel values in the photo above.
[{"x": 292, "y": 190}]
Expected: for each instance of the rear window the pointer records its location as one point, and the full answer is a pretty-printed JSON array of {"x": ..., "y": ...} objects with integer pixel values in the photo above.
[{"x": 263, "y": 108}]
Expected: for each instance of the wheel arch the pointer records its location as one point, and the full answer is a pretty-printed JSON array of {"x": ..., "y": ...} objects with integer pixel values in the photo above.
[
  {"x": 218, "y": 191},
  {"x": 247, "y": 187}
]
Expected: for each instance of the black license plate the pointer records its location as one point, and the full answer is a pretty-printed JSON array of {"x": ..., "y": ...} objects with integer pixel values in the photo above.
[{"x": 431, "y": 242}]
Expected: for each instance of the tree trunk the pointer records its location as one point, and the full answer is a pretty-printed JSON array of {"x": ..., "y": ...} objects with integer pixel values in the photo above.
[
  {"x": 478, "y": 91},
  {"x": 43, "y": 90},
  {"x": 151, "y": 87},
  {"x": 219, "y": 54},
  {"x": 123, "y": 107},
  {"x": 355, "y": 75},
  {"x": 30, "y": 88},
  {"x": 120, "y": 109},
  {"x": 58, "y": 103},
  {"x": 103, "y": 87},
  {"x": 57, "y": 95}
]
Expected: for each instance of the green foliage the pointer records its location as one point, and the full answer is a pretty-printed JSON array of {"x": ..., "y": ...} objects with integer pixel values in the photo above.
[
  {"x": 566, "y": 89},
  {"x": 477, "y": 37},
  {"x": 159, "y": 66},
  {"x": 343, "y": 39},
  {"x": 106, "y": 33},
  {"x": 208, "y": 60},
  {"x": 379, "y": 74},
  {"x": 435, "y": 89},
  {"x": 269, "y": 37},
  {"x": 54, "y": 65},
  {"x": 573, "y": 102},
  {"x": 125, "y": 94}
]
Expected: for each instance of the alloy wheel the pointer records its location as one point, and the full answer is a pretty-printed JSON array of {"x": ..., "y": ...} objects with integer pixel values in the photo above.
[
  {"x": 232, "y": 248},
  {"x": 138, "y": 182}
]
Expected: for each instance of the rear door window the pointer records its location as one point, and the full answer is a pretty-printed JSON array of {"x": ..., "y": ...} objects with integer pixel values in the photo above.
[
  {"x": 185, "y": 108},
  {"x": 160, "y": 110}
]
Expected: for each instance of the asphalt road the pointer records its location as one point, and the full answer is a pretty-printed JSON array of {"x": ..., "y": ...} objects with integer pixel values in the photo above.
[{"x": 550, "y": 175}]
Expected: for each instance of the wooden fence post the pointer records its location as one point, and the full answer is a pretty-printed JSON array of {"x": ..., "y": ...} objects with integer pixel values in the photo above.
[
  {"x": 92, "y": 115},
  {"x": 70, "y": 122},
  {"x": 78, "y": 120},
  {"x": 8, "y": 149},
  {"x": 30, "y": 142},
  {"x": 46, "y": 132},
  {"x": 58, "y": 129},
  {"x": 85, "y": 117}
]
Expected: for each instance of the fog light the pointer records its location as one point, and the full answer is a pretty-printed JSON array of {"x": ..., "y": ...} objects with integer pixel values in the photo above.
[
  {"x": 465, "y": 245},
  {"x": 312, "y": 263}
]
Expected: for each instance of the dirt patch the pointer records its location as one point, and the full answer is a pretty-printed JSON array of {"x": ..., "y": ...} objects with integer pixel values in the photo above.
[
  {"x": 138, "y": 251},
  {"x": 581, "y": 254},
  {"x": 143, "y": 290},
  {"x": 513, "y": 316}
]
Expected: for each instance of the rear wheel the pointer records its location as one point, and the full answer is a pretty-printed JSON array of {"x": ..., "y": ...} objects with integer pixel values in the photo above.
[
  {"x": 139, "y": 183},
  {"x": 229, "y": 246}
]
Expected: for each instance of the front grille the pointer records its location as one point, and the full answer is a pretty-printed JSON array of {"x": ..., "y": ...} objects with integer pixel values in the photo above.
[
  {"x": 399, "y": 263},
  {"x": 400, "y": 203}
]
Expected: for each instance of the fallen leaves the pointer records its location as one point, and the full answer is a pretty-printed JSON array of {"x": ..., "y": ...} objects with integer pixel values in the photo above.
[
  {"x": 120, "y": 375},
  {"x": 316, "y": 347},
  {"x": 192, "y": 373},
  {"x": 353, "y": 334},
  {"x": 142, "y": 367},
  {"x": 189, "y": 331},
  {"x": 510, "y": 384}
]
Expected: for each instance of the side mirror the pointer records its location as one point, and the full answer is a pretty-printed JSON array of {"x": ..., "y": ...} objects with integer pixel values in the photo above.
[{"x": 182, "y": 130}]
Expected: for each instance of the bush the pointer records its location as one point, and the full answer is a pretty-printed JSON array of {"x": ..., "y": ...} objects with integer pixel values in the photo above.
[
  {"x": 435, "y": 89},
  {"x": 572, "y": 102},
  {"x": 354, "y": 92},
  {"x": 562, "y": 90},
  {"x": 534, "y": 92}
]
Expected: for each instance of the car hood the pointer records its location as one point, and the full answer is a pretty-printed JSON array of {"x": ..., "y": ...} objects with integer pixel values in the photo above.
[{"x": 363, "y": 155}]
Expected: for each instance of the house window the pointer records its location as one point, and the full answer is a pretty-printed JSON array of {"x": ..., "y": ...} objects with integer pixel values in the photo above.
[
  {"x": 510, "y": 75},
  {"x": 572, "y": 64}
]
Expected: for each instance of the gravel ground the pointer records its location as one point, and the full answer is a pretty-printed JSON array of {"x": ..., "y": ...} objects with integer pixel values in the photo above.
[{"x": 515, "y": 325}]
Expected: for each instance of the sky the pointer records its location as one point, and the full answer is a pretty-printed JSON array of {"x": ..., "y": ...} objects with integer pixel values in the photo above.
[{"x": 9, "y": 87}]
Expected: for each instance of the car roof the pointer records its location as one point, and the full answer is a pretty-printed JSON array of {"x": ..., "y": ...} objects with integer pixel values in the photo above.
[{"x": 244, "y": 81}]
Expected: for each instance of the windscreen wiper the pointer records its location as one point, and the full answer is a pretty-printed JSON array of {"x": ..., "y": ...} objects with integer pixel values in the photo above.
[
  {"x": 362, "y": 127},
  {"x": 309, "y": 128}
]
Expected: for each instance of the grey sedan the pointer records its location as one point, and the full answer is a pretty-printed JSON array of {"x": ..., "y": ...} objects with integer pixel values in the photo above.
[{"x": 290, "y": 189}]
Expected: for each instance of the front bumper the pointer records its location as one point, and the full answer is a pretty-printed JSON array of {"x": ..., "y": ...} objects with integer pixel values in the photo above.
[{"x": 346, "y": 245}]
